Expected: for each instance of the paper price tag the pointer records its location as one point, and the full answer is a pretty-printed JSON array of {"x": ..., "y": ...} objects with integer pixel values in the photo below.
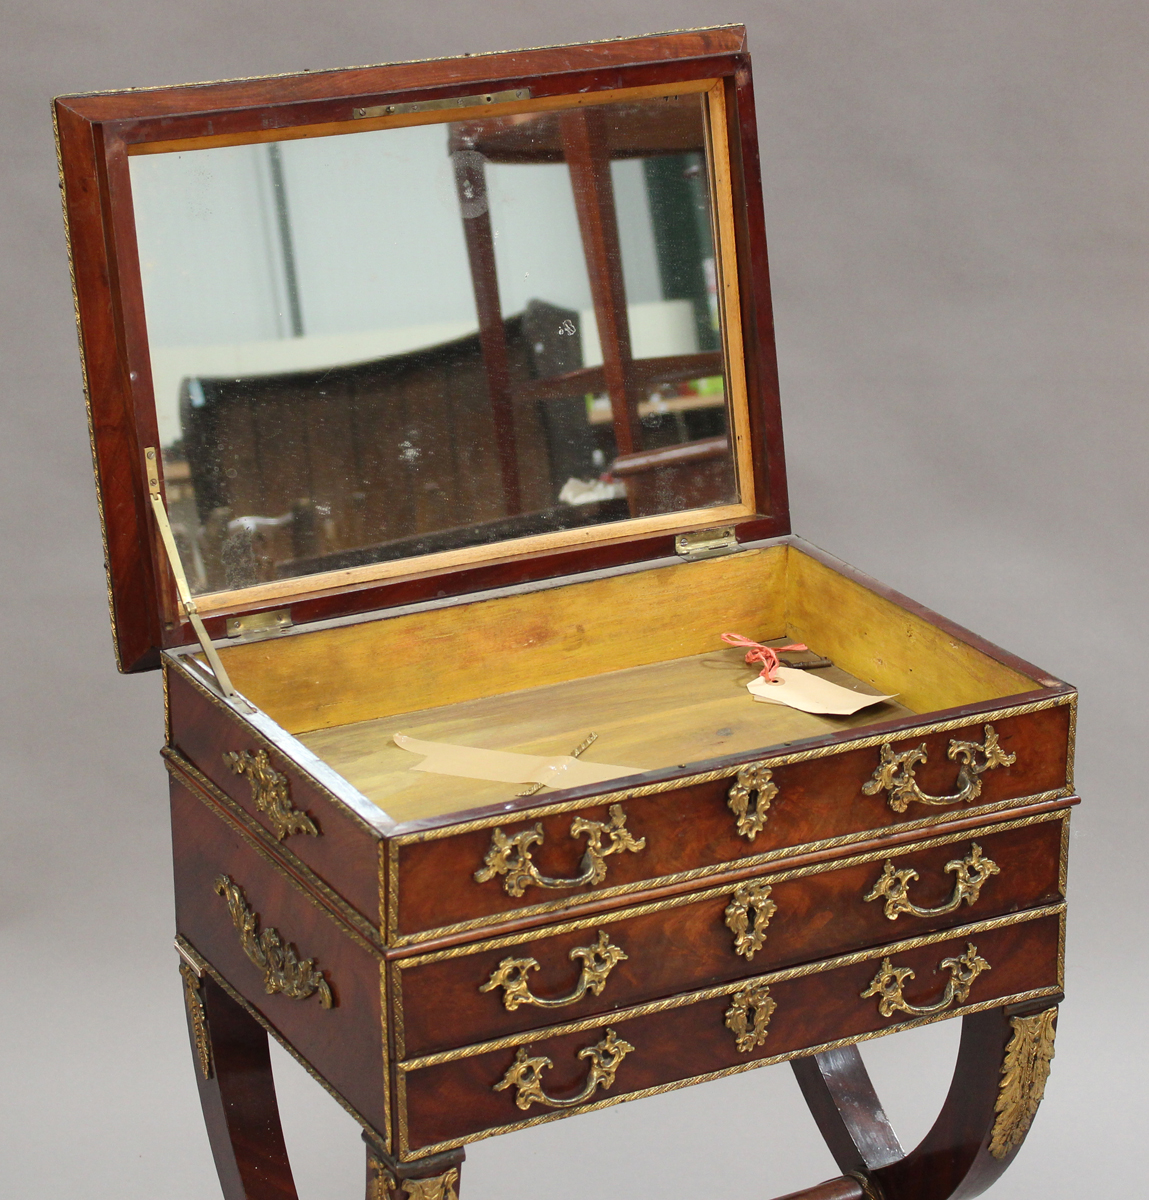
[{"x": 804, "y": 690}]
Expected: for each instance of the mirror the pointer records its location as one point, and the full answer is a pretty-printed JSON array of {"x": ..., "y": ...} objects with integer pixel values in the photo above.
[{"x": 382, "y": 344}]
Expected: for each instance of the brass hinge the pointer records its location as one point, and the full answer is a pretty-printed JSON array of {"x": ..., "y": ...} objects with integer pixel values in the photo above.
[
  {"x": 259, "y": 625},
  {"x": 151, "y": 461},
  {"x": 420, "y": 106},
  {"x": 706, "y": 543}
]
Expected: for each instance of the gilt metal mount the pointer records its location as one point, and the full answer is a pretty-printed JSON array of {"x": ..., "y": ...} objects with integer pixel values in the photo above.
[
  {"x": 887, "y": 984},
  {"x": 748, "y": 1017},
  {"x": 971, "y": 874},
  {"x": 895, "y": 771},
  {"x": 197, "y": 1018},
  {"x": 283, "y": 970},
  {"x": 597, "y": 963},
  {"x": 421, "y": 106},
  {"x": 511, "y": 856},
  {"x": 754, "y": 780},
  {"x": 525, "y": 1074},
  {"x": 750, "y": 898},
  {"x": 269, "y": 791},
  {"x": 384, "y": 1185},
  {"x": 1023, "y": 1077}
]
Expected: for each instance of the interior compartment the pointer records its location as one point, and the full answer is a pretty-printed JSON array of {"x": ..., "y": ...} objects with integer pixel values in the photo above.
[{"x": 635, "y": 658}]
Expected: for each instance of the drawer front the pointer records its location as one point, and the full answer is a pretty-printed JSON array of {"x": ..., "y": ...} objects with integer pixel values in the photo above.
[
  {"x": 595, "y": 965},
  {"x": 552, "y": 858},
  {"x": 321, "y": 991},
  {"x": 458, "y": 1097},
  {"x": 297, "y": 815}
]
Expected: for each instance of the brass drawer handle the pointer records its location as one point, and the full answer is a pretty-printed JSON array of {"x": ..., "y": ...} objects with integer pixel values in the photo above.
[
  {"x": 747, "y": 898},
  {"x": 895, "y": 772},
  {"x": 753, "y": 780},
  {"x": 888, "y": 982},
  {"x": 597, "y": 963},
  {"x": 283, "y": 970},
  {"x": 269, "y": 792},
  {"x": 971, "y": 871},
  {"x": 511, "y": 856},
  {"x": 526, "y": 1074}
]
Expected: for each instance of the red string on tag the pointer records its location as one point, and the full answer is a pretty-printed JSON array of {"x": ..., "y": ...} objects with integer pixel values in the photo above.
[{"x": 757, "y": 653}]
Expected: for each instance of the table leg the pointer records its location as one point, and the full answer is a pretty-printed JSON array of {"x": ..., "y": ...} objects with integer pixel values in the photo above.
[
  {"x": 1002, "y": 1065},
  {"x": 433, "y": 1178},
  {"x": 237, "y": 1093}
]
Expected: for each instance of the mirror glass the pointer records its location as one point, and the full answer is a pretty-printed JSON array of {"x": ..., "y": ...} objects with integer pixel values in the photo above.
[{"x": 382, "y": 344}]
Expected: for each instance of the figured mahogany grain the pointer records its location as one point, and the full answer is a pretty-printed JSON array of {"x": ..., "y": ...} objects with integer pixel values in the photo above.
[
  {"x": 238, "y": 1101},
  {"x": 689, "y": 946},
  {"x": 692, "y": 827},
  {"x": 345, "y": 853},
  {"x": 112, "y": 416},
  {"x": 457, "y": 1100},
  {"x": 343, "y": 1043}
]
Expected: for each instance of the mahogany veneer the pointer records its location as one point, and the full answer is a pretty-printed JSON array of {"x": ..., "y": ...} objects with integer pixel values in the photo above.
[{"x": 797, "y": 884}]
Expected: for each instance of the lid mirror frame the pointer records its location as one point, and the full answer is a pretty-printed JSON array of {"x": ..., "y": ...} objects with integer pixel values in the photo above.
[{"x": 97, "y": 134}]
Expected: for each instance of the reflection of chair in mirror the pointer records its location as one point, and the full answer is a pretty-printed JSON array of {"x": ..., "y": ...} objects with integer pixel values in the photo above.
[{"x": 588, "y": 140}]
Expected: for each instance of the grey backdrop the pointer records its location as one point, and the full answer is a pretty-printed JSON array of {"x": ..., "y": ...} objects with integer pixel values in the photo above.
[{"x": 956, "y": 206}]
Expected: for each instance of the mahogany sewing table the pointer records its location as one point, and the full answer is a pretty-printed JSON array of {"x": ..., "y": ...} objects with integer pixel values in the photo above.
[{"x": 452, "y": 957}]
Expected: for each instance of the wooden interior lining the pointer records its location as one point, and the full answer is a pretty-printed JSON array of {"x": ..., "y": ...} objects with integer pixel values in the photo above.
[
  {"x": 463, "y": 653},
  {"x": 889, "y": 647},
  {"x": 449, "y": 655},
  {"x": 665, "y": 714}
]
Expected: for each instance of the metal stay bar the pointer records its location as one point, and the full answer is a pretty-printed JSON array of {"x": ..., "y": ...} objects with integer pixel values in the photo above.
[{"x": 184, "y": 591}]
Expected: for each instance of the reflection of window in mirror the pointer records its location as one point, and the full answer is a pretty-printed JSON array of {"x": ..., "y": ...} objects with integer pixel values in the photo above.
[{"x": 376, "y": 345}]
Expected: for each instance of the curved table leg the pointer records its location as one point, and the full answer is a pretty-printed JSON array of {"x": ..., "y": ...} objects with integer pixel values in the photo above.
[
  {"x": 237, "y": 1093},
  {"x": 842, "y": 1100},
  {"x": 1002, "y": 1065}
]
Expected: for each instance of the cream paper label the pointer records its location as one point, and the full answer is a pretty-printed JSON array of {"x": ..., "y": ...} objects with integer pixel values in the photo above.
[
  {"x": 805, "y": 691},
  {"x": 505, "y": 766}
]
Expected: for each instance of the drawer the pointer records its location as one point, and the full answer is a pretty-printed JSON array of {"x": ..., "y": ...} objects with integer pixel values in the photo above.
[
  {"x": 490, "y": 989},
  {"x": 459, "y": 1096},
  {"x": 301, "y": 819},
  {"x": 311, "y": 978},
  {"x": 557, "y": 856}
]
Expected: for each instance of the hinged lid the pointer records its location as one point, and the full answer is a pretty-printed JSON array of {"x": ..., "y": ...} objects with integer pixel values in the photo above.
[{"x": 418, "y": 330}]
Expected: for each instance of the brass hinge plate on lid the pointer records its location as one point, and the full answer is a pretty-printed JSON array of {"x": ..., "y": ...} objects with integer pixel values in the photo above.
[
  {"x": 420, "y": 106},
  {"x": 706, "y": 543}
]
